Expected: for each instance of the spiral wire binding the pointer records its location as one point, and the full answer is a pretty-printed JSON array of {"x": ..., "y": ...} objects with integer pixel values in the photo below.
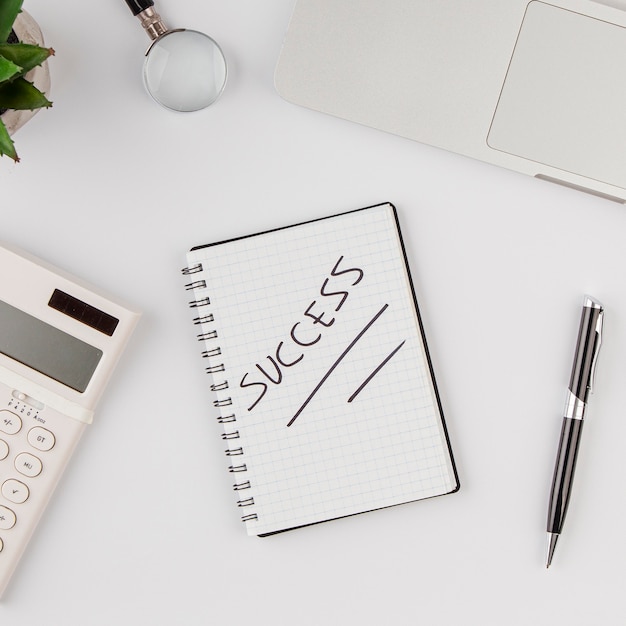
[
  {"x": 194, "y": 269},
  {"x": 226, "y": 419},
  {"x": 209, "y": 353}
]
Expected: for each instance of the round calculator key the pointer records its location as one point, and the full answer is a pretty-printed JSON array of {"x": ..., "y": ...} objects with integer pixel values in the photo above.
[
  {"x": 7, "y": 518},
  {"x": 9, "y": 422},
  {"x": 4, "y": 450},
  {"x": 27, "y": 464},
  {"x": 15, "y": 491},
  {"x": 41, "y": 438}
]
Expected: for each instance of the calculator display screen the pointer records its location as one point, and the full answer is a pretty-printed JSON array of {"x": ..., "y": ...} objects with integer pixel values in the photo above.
[{"x": 46, "y": 349}]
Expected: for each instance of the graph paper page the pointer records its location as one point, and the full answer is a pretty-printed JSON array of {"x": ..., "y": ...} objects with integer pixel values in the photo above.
[{"x": 323, "y": 380}]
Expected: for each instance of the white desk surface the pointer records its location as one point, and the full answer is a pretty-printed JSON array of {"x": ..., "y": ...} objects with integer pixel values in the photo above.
[{"x": 143, "y": 528}]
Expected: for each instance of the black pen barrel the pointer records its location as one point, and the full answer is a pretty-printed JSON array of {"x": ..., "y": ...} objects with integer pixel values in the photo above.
[{"x": 564, "y": 473}]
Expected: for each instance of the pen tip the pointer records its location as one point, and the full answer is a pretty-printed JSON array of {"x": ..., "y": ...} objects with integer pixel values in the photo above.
[{"x": 552, "y": 539}]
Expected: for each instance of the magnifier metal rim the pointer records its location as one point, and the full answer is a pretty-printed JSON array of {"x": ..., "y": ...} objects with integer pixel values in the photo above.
[{"x": 181, "y": 30}]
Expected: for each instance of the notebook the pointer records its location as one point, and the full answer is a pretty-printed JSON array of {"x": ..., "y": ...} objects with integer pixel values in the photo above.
[
  {"x": 532, "y": 86},
  {"x": 319, "y": 367}
]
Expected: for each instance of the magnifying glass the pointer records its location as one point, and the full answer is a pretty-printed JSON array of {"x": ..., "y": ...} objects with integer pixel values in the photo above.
[{"x": 184, "y": 70}]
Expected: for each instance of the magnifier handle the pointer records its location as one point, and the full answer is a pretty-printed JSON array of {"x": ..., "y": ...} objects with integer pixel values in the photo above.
[
  {"x": 149, "y": 18},
  {"x": 137, "y": 6}
]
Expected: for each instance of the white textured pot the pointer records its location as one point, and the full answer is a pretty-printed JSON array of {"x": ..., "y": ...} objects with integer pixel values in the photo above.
[{"x": 28, "y": 31}]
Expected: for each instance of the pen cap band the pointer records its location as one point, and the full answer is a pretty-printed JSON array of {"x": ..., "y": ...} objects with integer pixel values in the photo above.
[{"x": 586, "y": 353}]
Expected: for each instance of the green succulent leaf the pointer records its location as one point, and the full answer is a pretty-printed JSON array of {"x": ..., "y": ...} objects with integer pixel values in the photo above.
[
  {"x": 21, "y": 95},
  {"x": 27, "y": 56},
  {"x": 8, "y": 12},
  {"x": 6, "y": 144},
  {"x": 8, "y": 69}
]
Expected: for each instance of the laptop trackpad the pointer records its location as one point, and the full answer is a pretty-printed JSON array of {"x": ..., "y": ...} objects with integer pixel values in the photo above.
[{"x": 563, "y": 102}]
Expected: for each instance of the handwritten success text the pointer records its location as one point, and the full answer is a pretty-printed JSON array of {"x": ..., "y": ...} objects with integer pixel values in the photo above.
[{"x": 304, "y": 333}]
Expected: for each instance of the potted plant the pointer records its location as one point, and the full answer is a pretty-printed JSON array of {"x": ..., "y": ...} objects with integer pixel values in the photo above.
[{"x": 22, "y": 63}]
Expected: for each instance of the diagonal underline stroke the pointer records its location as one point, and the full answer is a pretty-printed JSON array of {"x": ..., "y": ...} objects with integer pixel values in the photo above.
[
  {"x": 367, "y": 380},
  {"x": 336, "y": 363}
]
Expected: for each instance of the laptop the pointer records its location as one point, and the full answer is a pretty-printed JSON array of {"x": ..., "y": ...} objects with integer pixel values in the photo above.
[{"x": 537, "y": 87}]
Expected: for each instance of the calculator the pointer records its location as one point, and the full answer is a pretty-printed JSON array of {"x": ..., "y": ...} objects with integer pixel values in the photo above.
[{"x": 60, "y": 340}]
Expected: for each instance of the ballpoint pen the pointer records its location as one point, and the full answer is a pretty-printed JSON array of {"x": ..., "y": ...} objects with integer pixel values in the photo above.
[{"x": 581, "y": 383}]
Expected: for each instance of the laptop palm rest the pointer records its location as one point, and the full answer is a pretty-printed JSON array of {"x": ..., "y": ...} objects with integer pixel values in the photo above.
[
  {"x": 536, "y": 87},
  {"x": 563, "y": 102}
]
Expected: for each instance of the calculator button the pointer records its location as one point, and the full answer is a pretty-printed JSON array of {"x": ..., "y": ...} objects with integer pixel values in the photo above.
[
  {"x": 27, "y": 464},
  {"x": 41, "y": 438},
  {"x": 9, "y": 422},
  {"x": 15, "y": 491},
  {"x": 4, "y": 450},
  {"x": 1, "y": 545},
  {"x": 7, "y": 518}
]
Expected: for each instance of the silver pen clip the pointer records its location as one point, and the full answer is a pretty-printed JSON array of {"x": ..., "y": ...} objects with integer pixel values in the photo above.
[{"x": 596, "y": 350}]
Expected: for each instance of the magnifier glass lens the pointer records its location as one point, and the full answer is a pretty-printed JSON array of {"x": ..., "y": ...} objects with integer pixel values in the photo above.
[{"x": 185, "y": 70}]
